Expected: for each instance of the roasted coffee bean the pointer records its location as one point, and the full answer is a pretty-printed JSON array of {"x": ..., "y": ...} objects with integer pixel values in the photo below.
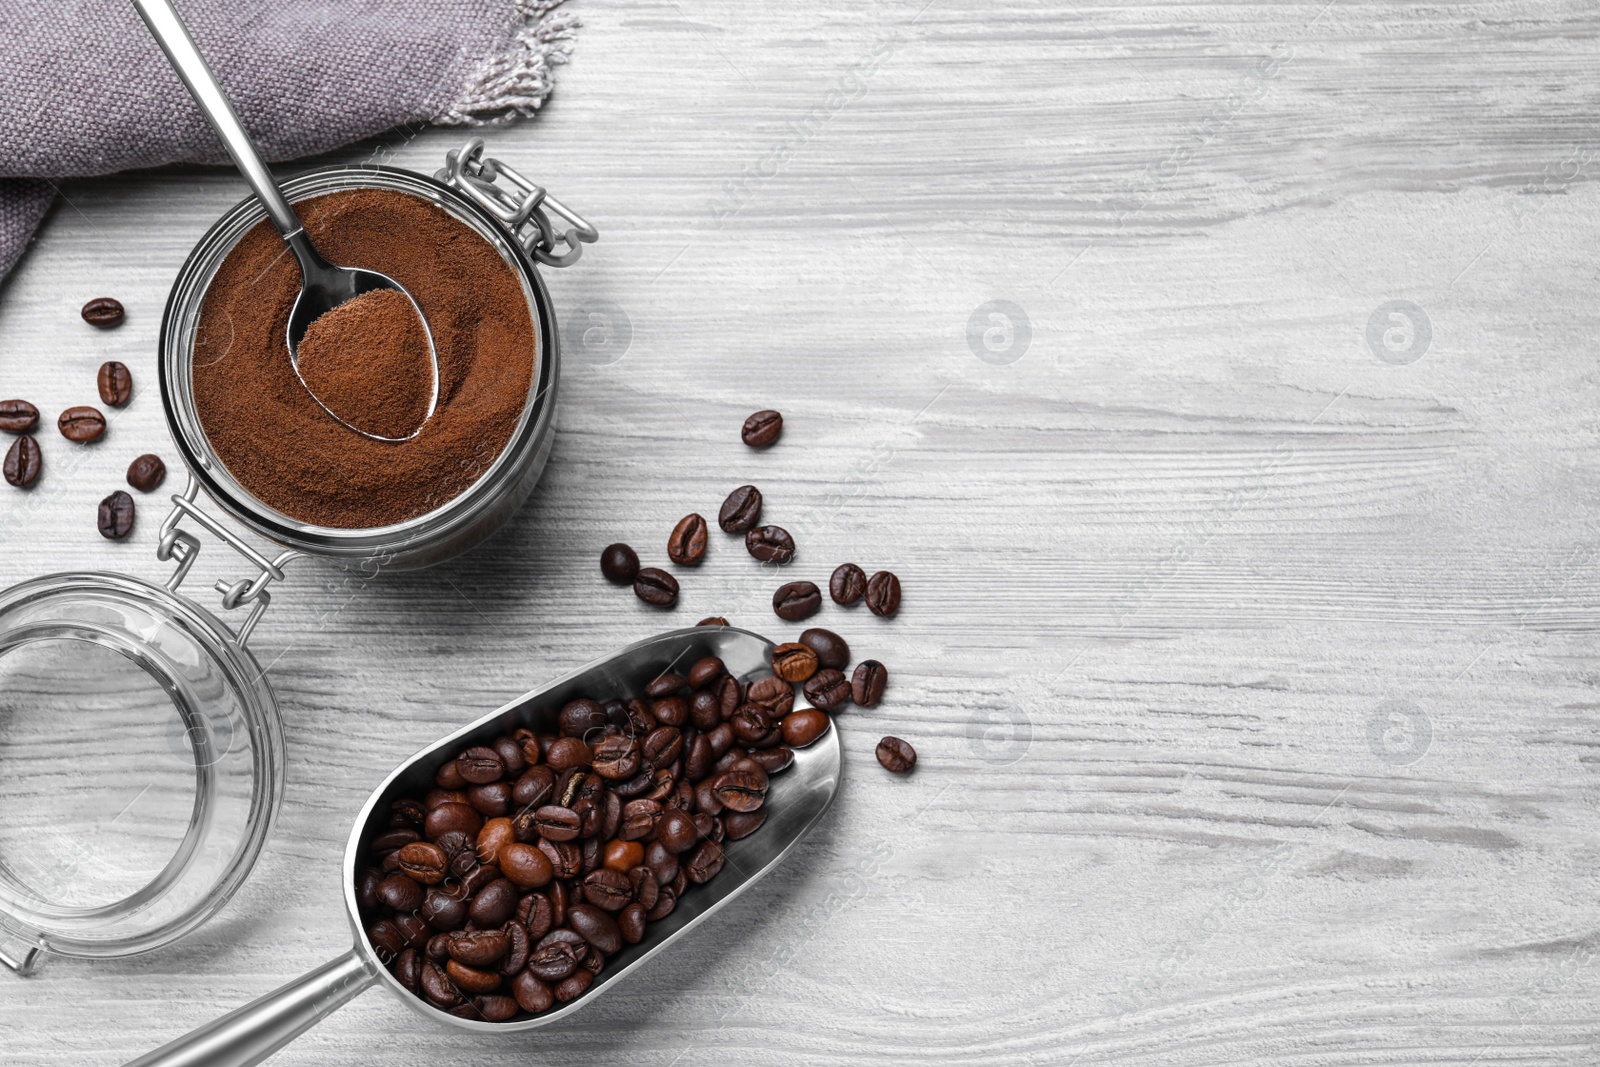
[
  {"x": 437, "y": 987},
  {"x": 687, "y": 544},
  {"x": 597, "y": 927},
  {"x": 741, "y": 510},
  {"x": 737, "y": 753},
  {"x": 619, "y": 563},
  {"x": 495, "y": 835},
  {"x": 709, "y": 827},
  {"x": 645, "y": 886},
  {"x": 526, "y": 865},
  {"x": 470, "y": 979},
  {"x": 449, "y": 777},
  {"x": 670, "y": 711},
  {"x": 494, "y": 904},
  {"x": 556, "y": 823},
  {"x": 574, "y": 985},
  {"x": 367, "y": 888},
  {"x": 713, "y": 620},
  {"x": 491, "y": 800},
  {"x": 828, "y": 690},
  {"x": 622, "y": 855},
  {"x": 18, "y": 416},
  {"x": 81, "y": 424},
  {"x": 705, "y": 710},
  {"x": 478, "y": 948},
  {"x": 444, "y": 908},
  {"x": 705, "y": 863},
  {"x": 631, "y": 923},
  {"x": 480, "y": 765},
  {"x": 676, "y": 832},
  {"x": 664, "y": 685},
  {"x": 386, "y": 940},
  {"x": 566, "y": 937},
  {"x": 704, "y": 672},
  {"x": 663, "y": 745},
  {"x": 568, "y": 753},
  {"x": 730, "y": 694},
  {"x": 553, "y": 961},
  {"x": 661, "y": 861},
  {"x": 772, "y": 693},
  {"x": 699, "y": 759},
  {"x": 793, "y": 662},
  {"x": 511, "y": 757},
  {"x": 437, "y": 948},
  {"x": 739, "y": 824},
  {"x": 744, "y": 787},
  {"x": 480, "y": 875},
  {"x": 408, "y": 969},
  {"x": 866, "y": 685},
  {"x": 413, "y": 929},
  {"x": 883, "y": 594},
  {"x": 607, "y": 889},
  {"x": 775, "y": 759},
  {"x": 617, "y": 757},
  {"x": 664, "y": 905},
  {"x": 756, "y": 726},
  {"x": 831, "y": 649},
  {"x": 104, "y": 312},
  {"x": 796, "y": 600},
  {"x": 23, "y": 462},
  {"x": 454, "y": 843},
  {"x": 495, "y": 1008},
  {"x": 896, "y": 755},
  {"x": 761, "y": 429},
  {"x": 848, "y": 584},
  {"x": 800, "y": 728},
  {"x": 656, "y": 587},
  {"x": 424, "y": 862},
  {"x": 412, "y": 811},
  {"x": 580, "y": 716},
  {"x": 532, "y": 995},
  {"x": 115, "y": 382},
  {"x": 400, "y": 893},
  {"x": 541, "y": 915},
  {"x": 516, "y": 957},
  {"x": 666, "y": 781},
  {"x": 115, "y": 519},
  {"x": 769, "y": 544},
  {"x": 558, "y": 894},
  {"x": 639, "y": 818}
]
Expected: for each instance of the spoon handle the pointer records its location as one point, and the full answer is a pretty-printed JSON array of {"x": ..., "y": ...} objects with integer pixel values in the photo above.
[{"x": 168, "y": 29}]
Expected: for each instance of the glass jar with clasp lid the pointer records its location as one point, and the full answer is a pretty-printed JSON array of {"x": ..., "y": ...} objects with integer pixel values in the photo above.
[{"x": 141, "y": 752}]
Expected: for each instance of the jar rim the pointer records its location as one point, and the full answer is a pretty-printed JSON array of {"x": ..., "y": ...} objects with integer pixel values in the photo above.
[{"x": 377, "y": 544}]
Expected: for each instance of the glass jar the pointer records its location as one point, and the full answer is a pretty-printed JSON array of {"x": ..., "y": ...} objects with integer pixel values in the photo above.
[{"x": 141, "y": 751}]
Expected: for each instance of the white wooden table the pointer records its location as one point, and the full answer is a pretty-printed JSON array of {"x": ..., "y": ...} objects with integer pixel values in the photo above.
[{"x": 1249, "y": 629}]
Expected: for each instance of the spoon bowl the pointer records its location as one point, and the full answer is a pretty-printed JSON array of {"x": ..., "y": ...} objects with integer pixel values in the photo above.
[{"x": 796, "y": 799}]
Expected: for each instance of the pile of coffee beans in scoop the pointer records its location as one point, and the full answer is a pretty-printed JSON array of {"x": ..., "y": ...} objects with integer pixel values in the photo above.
[{"x": 502, "y": 891}]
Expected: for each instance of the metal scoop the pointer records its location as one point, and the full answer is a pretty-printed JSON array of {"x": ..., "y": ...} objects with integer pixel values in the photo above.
[
  {"x": 797, "y": 797},
  {"x": 323, "y": 286}
]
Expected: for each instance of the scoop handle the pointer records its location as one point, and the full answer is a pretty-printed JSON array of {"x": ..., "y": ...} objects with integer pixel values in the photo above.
[
  {"x": 246, "y": 1036},
  {"x": 166, "y": 25}
]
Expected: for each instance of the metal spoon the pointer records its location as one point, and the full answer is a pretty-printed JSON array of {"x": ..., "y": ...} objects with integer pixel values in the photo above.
[
  {"x": 323, "y": 286},
  {"x": 797, "y": 797}
]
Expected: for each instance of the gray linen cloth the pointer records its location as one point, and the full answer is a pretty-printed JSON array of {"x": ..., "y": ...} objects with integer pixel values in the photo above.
[{"x": 84, "y": 88}]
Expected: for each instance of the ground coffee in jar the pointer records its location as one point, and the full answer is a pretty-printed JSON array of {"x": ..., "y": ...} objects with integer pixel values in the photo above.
[{"x": 282, "y": 446}]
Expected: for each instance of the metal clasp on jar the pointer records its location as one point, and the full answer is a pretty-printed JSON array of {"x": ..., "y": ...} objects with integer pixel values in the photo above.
[{"x": 520, "y": 204}]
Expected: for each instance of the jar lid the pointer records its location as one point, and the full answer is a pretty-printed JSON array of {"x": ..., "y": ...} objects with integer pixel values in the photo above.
[{"x": 141, "y": 764}]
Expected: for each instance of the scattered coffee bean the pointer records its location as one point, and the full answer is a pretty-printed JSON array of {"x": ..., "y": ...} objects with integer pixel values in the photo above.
[
  {"x": 503, "y": 917},
  {"x": 762, "y": 428},
  {"x": 23, "y": 462},
  {"x": 713, "y": 620},
  {"x": 619, "y": 563},
  {"x": 896, "y": 755},
  {"x": 147, "y": 473},
  {"x": 796, "y": 600},
  {"x": 741, "y": 510},
  {"x": 103, "y": 312},
  {"x": 848, "y": 584},
  {"x": 883, "y": 594},
  {"x": 18, "y": 416},
  {"x": 866, "y": 685},
  {"x": 687, "y": 545},
  {"x": 116, "y": 516},
  {"x": 656, "y": 587},
  {"x": 793, "y": 662},
  {"x": 828, "y": 689},
  {"x": 116, "y": 383},
  {"x": 769, "y": 544},
  {"x": 831, "y": 649},
  {"x": 81, "y": 424}
]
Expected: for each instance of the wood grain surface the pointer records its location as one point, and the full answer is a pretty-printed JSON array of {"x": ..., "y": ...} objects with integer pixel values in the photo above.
[{"x": 1249, "y": 549}]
